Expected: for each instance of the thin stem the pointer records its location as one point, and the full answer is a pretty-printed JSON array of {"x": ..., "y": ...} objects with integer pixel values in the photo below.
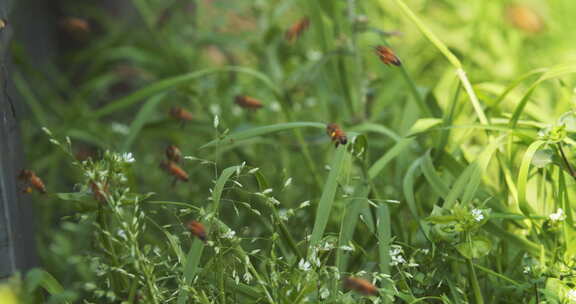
[{"x": 565, "y": 159}]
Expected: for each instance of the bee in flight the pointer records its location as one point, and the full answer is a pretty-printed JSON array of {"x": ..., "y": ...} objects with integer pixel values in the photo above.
[
  {"x": 32, "y": 181},
  {"x": 361, "y": 286},
  {"x": 387, "y": 56},
  {"x": 336, "y": 134},
  {"x": 297, "y": 29},
  {"x": 173, "y": 153},
  {"x": 180, "y": 114},
  {"x": 173, "y": 169},
  {"x": 197, "y": 229},
  {"x": 248, "y": 102},
  {"x": 76, "y": 26}
]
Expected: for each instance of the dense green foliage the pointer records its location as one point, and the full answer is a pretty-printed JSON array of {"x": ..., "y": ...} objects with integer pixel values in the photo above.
[{"x": 455, "y": 185}]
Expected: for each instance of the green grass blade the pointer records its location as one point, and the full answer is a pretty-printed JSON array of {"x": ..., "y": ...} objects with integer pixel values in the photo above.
[
  {"x": 384, "y": 238},
  {"x": 170, "y": 83},
  {"x": 349, "y": 222},
  {"x": 327, "y": 198},
  {"x": 195, "y": 253},
  {"x": 263, "y": 131},
  {"x": 523, "y": 175},
  {"x": 140, "y": 120},
  {"x": 381, "y": 163},
  {"x": 438, "y": 185}
]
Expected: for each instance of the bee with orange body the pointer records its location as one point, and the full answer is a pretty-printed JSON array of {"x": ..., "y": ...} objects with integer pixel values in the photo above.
[
  {"x": 336, "y": 134},
  {"x": 173, "y": 153},
  {"x": 297, "y": 29},
  {"x": 173, "y": 169},
  {"x": 197, "y": 229},
  {"x": 180, "y": 114},
  {"x": 361, "y": 286},
  {"x": 75, "y": 25},
  {"x": 32, "y": 181},
  {"x": 387, "y": 56},
  {"x": 248, "y": 102},
  {"x": 525, "y": 18}
]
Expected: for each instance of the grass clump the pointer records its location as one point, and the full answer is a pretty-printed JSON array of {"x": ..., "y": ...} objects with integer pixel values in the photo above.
[{"x": 451, "y": 180}]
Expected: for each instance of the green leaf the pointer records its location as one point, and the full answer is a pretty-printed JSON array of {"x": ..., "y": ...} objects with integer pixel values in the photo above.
[
  {"x": 259, "y": 131},
  {"x": 140, "y": 120},
  {"x": 170, "y": 83},
  {"x": 477, "y": 247},
  {"x": 327, "y": 198},
  {"x": 396, "y": 150}
]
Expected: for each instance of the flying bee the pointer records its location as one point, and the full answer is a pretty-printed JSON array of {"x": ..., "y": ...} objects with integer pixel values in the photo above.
[
  {"x": 387, "y": 56},
  {"x": 173, "y": 153},
  {"x": 248, "y": 102},
  {"x": 180, "y": 114},
  {"x": 297, "y": 29},
  {"x": 173, "y": 169},
  {"x": 525, "y": 18},
  {"x": 32, "y": 181},
  {"x": 75, "y": 26},
  {"x": 361, "y": 286},
  {"x": 336, "y": 134},
  {"x": 197, "y": 229}
]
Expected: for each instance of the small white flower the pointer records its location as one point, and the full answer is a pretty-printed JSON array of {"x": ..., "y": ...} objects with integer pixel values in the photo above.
[
  {"x": 426, "y": 251},
  {"x": 304, "y": 265},
  {"x": 275, "y": 107},
  {"x": 314, "y": 55},
  {"x": 120, "y": 128},
  {"x": 324, "y": 293},
  {"x": 288, "y": 182},
  {"x": 127, "y": 157},
  {"x": 47, "y": 131},
  {"x": 304, "y": 204},
  {"x": 477, "y": 214},
  {"x": 396, "y": 257},
  {"x": 266, "y": 191},
  {"x": 349, "y": 248},
  {"x": 571, "y": 295},
  {"x": 557, "y": 216},
  {"x": 253, "y": 170},
  {"x": 526, "y": 269},
  {"x": 121, "y": 233},
  {"x": 216, "y": 121},
  {"x": 230, "y": 234},
  {"x": 247, "y": 277},
  {"x": 215, "y": 109}
]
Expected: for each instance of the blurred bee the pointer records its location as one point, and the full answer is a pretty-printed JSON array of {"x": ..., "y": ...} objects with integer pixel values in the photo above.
[
  {"x": 524, "y": 18},
  {"x": 180, "y": 114},
  {"x": 173, "y": 153},
  {"x": 387, "y": 56},
  {"x": 3, "y": 23},
  {"x": 75, "y": 25},
  {"x": 173, "y": 169},
  {"x": 197, "y": 229},
  {"x": 336, "y": 134},
  {"x": 248, "y": 102},
  {"x": 297, "y": 29},
  {"x": 32, "y": 181},
  {"x": 361, "y": 286}
]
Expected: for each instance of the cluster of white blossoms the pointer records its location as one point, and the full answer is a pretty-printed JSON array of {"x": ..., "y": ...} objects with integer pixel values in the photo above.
[
  {"x": 557, "y": 216},
  {"x": 477, "y": 214},
  {"x": 396, "y": 257}
]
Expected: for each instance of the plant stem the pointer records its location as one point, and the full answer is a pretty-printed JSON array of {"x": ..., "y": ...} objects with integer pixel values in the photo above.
[{"x": 565, "y": 159}]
